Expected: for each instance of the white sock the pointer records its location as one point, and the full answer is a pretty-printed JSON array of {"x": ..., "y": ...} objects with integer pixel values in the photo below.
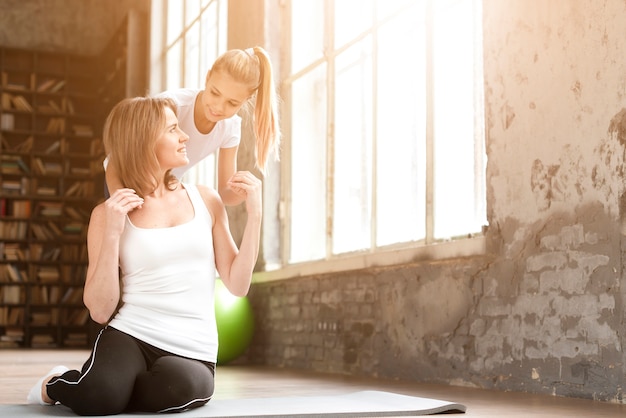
[{"x": 34, "y": 396}]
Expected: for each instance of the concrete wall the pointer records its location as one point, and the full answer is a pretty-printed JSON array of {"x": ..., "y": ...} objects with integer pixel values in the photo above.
[
  {"x": 543, "y": 310},
  {"x": 78, "y": 26}
]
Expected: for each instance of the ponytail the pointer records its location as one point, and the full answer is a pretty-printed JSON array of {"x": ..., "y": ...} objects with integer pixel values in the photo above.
[
  {"x": 266, "y": 122},
  {"x": 253, "y": 68}
]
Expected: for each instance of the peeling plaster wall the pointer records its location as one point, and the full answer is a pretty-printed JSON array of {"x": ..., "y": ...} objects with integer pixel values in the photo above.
[{"x": 543, "y": 310}]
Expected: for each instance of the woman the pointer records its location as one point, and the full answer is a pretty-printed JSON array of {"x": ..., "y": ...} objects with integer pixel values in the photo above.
[
  {"x": 158, "y": 351},
  {"x": 238, "y": 79}
]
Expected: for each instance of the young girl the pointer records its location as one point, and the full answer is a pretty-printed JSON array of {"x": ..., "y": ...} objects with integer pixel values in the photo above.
[
  {"x": 158, "y": 352},
  {"x": 237, "y": 78}
]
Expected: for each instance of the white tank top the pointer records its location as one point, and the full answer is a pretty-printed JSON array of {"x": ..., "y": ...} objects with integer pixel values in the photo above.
[{"x": 168, "y": 277}]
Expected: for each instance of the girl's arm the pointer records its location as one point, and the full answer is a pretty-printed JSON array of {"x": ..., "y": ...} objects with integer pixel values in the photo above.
[
  {"x": 102, "y": 290},
  {"x": 235, "y": 266},
  {"x": 226, "y": 168}
]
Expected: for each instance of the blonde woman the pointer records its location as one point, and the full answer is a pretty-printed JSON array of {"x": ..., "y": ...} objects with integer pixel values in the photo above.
[{"x": 157, "y": 353}]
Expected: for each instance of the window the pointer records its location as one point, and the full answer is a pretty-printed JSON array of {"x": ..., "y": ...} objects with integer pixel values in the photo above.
[
  {"x": 187, "y": 36},
  {"x": 384, "y": 126}
]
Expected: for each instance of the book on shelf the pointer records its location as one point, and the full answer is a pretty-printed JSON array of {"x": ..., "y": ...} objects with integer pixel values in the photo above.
[
  {"x": 49, "y": 209},
  {"x": 12, "y": 187},
  {"x": 12, "y": 294},
  {"x": 73, "y": 295},
  {"x": 57, "y": 87},
  {"x": 20, "y": 208},
  {"x": 13, "y": 273},
  {"x": 48, "y": 274},
  {"x": 51, "y": 254},
  {"x": 56, "y": 125},
  {"x": 82, "y": 130},
  {"x": 6, "y": 101},
  {"x": 23, "y": 147},
  {"x": 12, "y": 252},
  {"x": 68, "y": 105},
  {"x": 46, "y": 85},
  {"x": 47, "y": 167},
  {"x": 16, "y": 317},
  {"x": 13, "y": 164},
  {"x": 42, "y": 341},
  {"x": 74, "y": 227},
  {"x": 74, "y": 213},
  {"x": 78, "y": 317},
  {"x": 13, "y": 229},
  {"x": 46, "y": 191},
  {"x": 7, "y": 121},
  {"x": 54, "y": 147},
  {"x": 42, "y": 232},
  {"x": 21, "y": 103}
]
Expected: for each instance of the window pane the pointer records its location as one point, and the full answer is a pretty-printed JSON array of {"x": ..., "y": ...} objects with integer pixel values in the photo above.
[
  {"x": 352, "y": 17},
  {"x": 353, "y": 149},
  {"x": 454, "y": 75},
  {"x": 174, "y": 20},
  {"x": 174, "y": 66},
  {"x": 308, "y": 174},
  {"x": 211, "y": 39},
  {"x": 307, "y": 33},
  {"x": 192, "y": 10},
  {"x": 192, "y": 55},
  {"x": 401, "y": 132},
  {"x": 385, "y": 8}
]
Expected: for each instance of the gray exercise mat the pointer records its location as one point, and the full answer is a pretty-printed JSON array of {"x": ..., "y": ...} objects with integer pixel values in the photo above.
[{"x": 358, "y": 404}]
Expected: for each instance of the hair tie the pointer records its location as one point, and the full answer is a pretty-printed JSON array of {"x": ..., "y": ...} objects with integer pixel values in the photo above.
[{"x": 250, "y": 51}]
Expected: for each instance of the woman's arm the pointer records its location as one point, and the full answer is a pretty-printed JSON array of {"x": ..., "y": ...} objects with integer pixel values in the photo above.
[
  {"x": 102, "y": 290},
  {"x": 235, "y": 266},
  {"x": 226, "y": 168}
]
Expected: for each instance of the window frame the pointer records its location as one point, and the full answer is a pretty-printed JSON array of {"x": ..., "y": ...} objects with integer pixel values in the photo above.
[{"x": 429, "y": 248}]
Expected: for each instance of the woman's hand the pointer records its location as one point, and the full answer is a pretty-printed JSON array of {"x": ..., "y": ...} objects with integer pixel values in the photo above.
[
  {"x": 121, "y": 202},
  {"x": 246, "y": 185}
]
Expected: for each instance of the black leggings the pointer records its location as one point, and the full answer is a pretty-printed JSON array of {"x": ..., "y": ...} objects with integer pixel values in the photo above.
[{"x": 124, "y": 374}]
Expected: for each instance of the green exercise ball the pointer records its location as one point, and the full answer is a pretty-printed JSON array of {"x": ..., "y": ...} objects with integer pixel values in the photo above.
[{"x": 235, "y": 323}]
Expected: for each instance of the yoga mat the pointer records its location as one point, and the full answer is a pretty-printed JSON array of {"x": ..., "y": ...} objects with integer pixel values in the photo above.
[{"x": 358, "y": 404}]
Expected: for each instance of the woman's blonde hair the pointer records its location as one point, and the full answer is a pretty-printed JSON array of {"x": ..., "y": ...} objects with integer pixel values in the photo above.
[
  {"x": 130, "y": 133},
  {"x": 253, "y": 68}
]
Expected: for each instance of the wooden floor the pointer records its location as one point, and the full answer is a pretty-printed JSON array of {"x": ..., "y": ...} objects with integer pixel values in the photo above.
[{"x": 20, "y": 369}]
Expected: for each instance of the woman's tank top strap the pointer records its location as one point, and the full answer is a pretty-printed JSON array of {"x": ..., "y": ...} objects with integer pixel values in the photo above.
[{"x": 196, "y": 200}]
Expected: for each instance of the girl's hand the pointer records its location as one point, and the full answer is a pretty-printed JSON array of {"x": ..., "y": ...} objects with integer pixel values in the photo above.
[
  {"x": 246, "y": 185},
  {"x": 121, "y": 202}
]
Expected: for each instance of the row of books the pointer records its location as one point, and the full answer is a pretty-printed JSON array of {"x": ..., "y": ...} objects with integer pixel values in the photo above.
[
  {"x": 20, "y": 207},
  {"x": 61, "y": 146},
  {"x": 48, "y": 231},
  {"x": 42, "y": 295},
  {"x": 41, "y": 84},
  {"x": 64, "y": 274},
  {"x": 14, "y": 102},
  {"x": 11, "y": 251}
]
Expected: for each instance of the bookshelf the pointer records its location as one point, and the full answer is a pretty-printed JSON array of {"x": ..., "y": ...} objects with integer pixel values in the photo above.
[{"x": 50, "y": 179}]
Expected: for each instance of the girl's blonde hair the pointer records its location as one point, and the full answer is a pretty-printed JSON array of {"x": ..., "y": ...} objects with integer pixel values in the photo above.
[
  {"x": 130, "y": 133},
  {"x": 253, "y": 68}
]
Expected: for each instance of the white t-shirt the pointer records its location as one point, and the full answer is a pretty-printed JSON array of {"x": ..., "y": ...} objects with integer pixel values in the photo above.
[{"x": 168, "y": 277}]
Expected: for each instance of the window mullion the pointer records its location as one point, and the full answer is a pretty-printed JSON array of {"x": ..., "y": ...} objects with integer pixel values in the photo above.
[
  {"x": 374, "y": 194},
  {"x": 330, "y": 137},
  {"x": 430, "y": 126}
]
